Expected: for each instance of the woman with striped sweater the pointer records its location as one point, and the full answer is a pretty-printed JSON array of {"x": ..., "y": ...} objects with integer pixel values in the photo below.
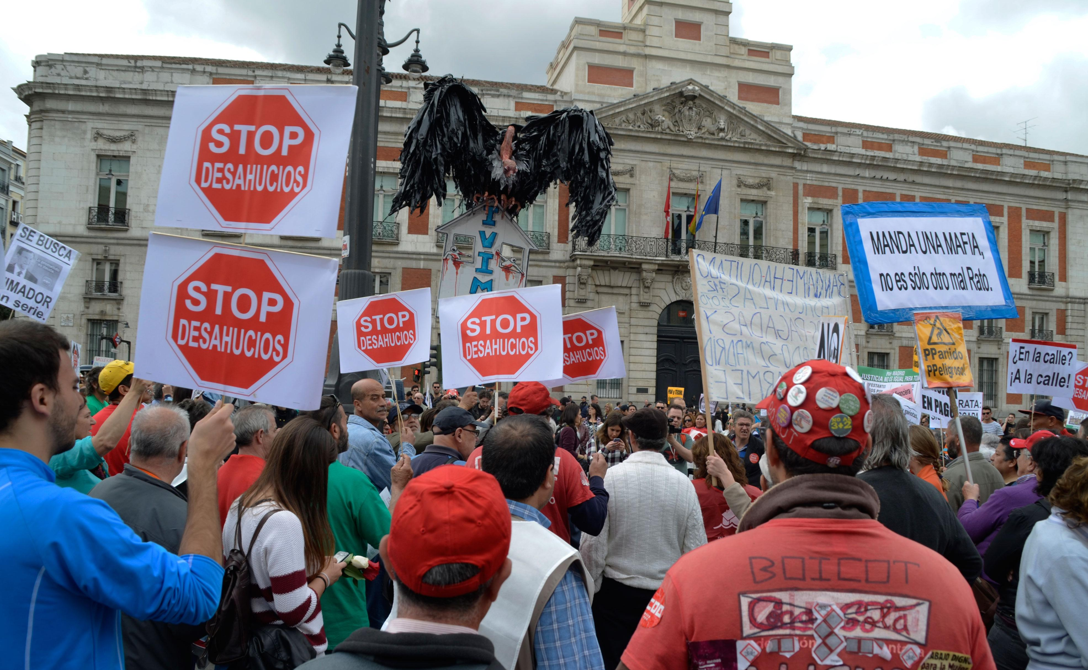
[{"x": 290, "y": 566}]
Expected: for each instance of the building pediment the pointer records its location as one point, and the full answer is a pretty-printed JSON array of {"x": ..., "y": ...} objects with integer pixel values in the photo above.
[{"x": 693, "y": 111}]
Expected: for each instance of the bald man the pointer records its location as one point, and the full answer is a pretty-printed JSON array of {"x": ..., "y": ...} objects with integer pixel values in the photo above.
[{"x": 368, "y": 450}]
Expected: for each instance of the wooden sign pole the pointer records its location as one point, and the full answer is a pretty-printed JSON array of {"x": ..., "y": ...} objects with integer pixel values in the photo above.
[
  {"x": 702, "y": 337},
  {"x": 959, "y": 433},
  {"x": 396, "y": 401}
]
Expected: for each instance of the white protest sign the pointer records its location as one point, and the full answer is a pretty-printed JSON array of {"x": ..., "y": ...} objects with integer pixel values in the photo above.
[
  {"x": 935, "y": 403},
  {"x": 514, "y": 335},
  {"x": 76, "y": 351},
  {"x": 757, "y": 319},
  {"x": 497, "y": 260},
  {"x": 592, "y": 348},
  {"x": 36, "y": 267},
  {"x": 834, "y": 333},
  {"x": 911, "y": 256},
  {"x": 384, "y": 331},
  {"x": 1042, "y": 368},
  {"x": 102, "y": 361},
  {"x": 259, "y": 159},
  {"x": 904, "y": 385},
  {"x": 246, "y": 322},
  {"x": 1078, "y": 398}
]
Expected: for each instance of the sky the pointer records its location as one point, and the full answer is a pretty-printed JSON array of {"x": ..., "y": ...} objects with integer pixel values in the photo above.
[{"x": 975, "y": 68}]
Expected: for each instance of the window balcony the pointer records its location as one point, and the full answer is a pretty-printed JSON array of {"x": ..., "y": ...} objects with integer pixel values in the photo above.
[
  {"x": 18, "y": 179},
  {"x": 1041, "y": 279},
  {"x": 386, "y": 232},
  {"x": 677, "y": 249},
  {"x": 886, "y": 328},
  {"x": 989, "y": 333},
  {"x": 460, "y": 240},
  {"x": 5, "y": 188},
  {"x": 102, "y": 289},
  {"x": 1044, "y": 335},
  {"x": 540, "y": 238},
  {"x": 111, "y": 218},
  {"x": 822, "y": 261},
  {"x": 16, "y": 218}
]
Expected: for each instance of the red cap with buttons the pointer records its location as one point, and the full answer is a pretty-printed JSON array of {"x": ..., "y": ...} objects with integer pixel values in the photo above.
[
  {"x": 819, "y": 399},
  {"x": 451, "y": 514}
]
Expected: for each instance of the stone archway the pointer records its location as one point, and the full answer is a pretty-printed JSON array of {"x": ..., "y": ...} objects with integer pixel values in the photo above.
[{"x": 678, "y": 352}]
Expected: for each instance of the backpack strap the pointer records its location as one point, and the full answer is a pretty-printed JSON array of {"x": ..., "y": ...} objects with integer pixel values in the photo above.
[{"x": 260, "y": 525}]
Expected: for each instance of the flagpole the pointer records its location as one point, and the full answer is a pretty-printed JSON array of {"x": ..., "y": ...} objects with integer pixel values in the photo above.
[{"x": 718, "y": 216}]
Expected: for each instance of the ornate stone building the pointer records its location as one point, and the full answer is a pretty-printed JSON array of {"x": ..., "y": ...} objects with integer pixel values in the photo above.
[{"x": 686, "y": 104}]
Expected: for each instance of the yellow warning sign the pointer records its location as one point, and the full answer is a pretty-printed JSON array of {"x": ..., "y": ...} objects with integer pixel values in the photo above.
[
  {"x": 675, "y": 392},
  {"x": 914, "y": 362},
  {"x": 942, "y": 353}
]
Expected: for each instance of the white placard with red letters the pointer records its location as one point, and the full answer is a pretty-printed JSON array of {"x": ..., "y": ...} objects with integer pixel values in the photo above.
[
  {"x": 384, "y": 331},
  {"x": 592, "y": 348},
  {"x": 258, "y": 159},
  {"x": 514, "y": 335},
  {"x": 1077, "y": 400},
  {"x": 245, "y": 322}
]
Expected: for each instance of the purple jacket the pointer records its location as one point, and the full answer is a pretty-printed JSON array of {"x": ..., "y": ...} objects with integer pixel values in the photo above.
[{"x": 982, "y": 523}]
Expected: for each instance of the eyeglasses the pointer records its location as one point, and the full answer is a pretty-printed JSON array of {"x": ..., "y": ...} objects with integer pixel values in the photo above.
[{"x": 474, "y": 431}]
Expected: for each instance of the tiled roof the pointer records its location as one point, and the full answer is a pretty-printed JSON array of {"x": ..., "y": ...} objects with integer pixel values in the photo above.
[
  {"x": 316, "y": 69},
  {"x": 939, "y": 137}
]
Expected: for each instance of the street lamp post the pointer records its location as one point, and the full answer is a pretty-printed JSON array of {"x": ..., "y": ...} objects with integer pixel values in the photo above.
[{"x": 356, "y": 277}]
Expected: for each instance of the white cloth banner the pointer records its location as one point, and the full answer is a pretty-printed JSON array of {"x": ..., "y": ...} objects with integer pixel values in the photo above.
[
  {"x": 384, "y": 331},
  {"x": 36, "y": 267},
  {"x": 592, "y": 348},
  {"x": 246, "y": 322},
  {"x": 757, "y": 319},
  {"x": 258, "y": 159},
  {"x": 514, "y": 335},
  {"x": 1042, "y": 368}
]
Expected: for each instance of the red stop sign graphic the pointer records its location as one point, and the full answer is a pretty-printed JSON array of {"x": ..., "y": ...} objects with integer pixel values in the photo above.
[
  {"x": 385, "y": 331},
  {"x": 584, "y": 349},
  {"x": 500, "y": 336},
  {"x": 1080, "y": 389},
  {"x": 233, "y": 319},
  {"x": 254, "y": 157}
]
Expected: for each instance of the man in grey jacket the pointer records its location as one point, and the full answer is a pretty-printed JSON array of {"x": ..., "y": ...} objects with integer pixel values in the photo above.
[
  {"x": 144, "y": 499},
  {"x": 985, "y": 474}
]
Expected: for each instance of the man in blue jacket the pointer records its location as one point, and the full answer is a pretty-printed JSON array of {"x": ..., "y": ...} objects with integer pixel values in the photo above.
[{"x": 70, "y": 565}]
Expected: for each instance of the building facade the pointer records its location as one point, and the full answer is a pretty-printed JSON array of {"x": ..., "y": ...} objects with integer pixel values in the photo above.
[
  {"x": 12, "y": 187},
  {"x": 686, "y": 104}
]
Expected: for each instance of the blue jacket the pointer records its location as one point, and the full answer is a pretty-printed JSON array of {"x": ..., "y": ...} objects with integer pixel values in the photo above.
[
  {"x": 71, "y": 567},
  {"x": 370, "y": 452}
]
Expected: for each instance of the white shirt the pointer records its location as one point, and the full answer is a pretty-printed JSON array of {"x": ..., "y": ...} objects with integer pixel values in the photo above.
[
  {"x": 993, "y": 428},
  {"x": 653, "y": 519}
]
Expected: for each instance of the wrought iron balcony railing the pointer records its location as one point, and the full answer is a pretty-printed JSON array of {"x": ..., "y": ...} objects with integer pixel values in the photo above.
[
  {"x": 657, "y": 247},
  {"x": 112, "y": 217},
  {"x": 881, "y": 327},
  {"x": 823, "y": 261},
  {"x": 542, "y": 239},
  {"x": 460, "y": 240},
  {"x": 386, "y": 231},
  {"x": 1041, "y": 279},
  {"x": 1045, "y": 335},
  {"x": 16, "y": 218},
  {"x": 5, "y": 188},
  {"x": 989, "y": 332},
  {"x": 107, "y": 288}
]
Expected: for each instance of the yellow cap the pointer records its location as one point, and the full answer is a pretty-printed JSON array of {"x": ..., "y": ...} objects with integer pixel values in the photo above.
[{"x": 113, "y": 374}]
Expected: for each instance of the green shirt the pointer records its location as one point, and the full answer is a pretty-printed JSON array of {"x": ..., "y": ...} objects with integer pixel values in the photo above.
[
  {"x": 95, "y": 404},
  {"x": 73, "y": 466},
  {"x": 358, "y": 517}
]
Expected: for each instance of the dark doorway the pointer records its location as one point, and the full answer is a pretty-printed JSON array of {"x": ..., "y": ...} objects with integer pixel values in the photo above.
[{"x": 678, "y": 352}]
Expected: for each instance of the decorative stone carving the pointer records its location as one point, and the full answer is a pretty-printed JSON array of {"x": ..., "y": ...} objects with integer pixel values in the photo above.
[
  {"x": 681, "y": 283},
  {"x": 114, "y": 139},
  {"x": 626, "y": 171},
  {"x": 581, "y": 291},
  {"x": 678, "y": 175},
  {"x": 646, "y": 284},
  {"x": 755, "y": 184},
  {"x": 690, "y": 116}
]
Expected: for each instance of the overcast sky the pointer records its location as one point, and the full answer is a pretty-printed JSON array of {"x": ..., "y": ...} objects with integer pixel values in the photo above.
[{"x": 967, "y": 67}]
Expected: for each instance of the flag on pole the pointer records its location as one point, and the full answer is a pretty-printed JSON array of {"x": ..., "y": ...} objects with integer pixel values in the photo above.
[
  {"x": 711, "y": 206},
  {"x": 668, "y": 206},
  {"x": 693, "y": 225}
]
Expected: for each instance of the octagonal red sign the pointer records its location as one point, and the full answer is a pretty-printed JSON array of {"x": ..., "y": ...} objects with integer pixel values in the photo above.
[
  {"x": 254, "y": 157},
  {"x": 1080, "y": 389},
  {"x": 233, "y": 319},
  {"x": 584, "y": 348},
  {"x": 500, "y": 335},
  {"x": 385, "y": 331}
]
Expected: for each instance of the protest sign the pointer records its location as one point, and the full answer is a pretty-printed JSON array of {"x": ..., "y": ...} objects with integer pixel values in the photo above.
[
  {"x": 75, "y": 349},
  {"x": 942, "y": 350},
  {"x": 514, "y": 335},
  {"x": 903, "y": 384},
  {"x": 910, "y": 256},
  {"x": 936, "y": 404},
  {"x": 1078, "y": 399},
  {"x": 757, "y": 319},
  {"x": 36, "y": 267},
  {"x": 499, "y": 262},
  {"x": 1042, "y": 368},
  {"x": 1074, "y": 418},
  {"x": 246, "y": 322},
  {"x": 102, "y": 361},
  {"x": 259, "y": 159},
  {"x": 591, "y": 347},
  {"x": 674, "y": 392},
  {"x": 384, "y": 331},
  {"x": 834, "y": 335}
]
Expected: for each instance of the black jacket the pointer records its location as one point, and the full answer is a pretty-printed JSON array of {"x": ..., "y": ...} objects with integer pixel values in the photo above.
[
  {"x": 369, "y": 649},
  {"x": 911, "y": 507},
  {"x": 754, "y": 448},
  {"x": 156, "y": 512},
  {"x": 1004, "y": 553}
]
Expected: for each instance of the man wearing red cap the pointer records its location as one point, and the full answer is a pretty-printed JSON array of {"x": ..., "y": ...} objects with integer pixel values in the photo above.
[
  {"x": 576, "y": 497},
  {"x": 446, "y": 552},
  {"x": 812, "y": 579}
]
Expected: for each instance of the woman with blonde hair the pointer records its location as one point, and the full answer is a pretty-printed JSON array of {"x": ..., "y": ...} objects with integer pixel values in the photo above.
[
  {"x": 724, "y": 503},
  {"x": 925, "y": 457}
]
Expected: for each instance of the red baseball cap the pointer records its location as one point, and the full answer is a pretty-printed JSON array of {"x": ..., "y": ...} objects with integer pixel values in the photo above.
[
  {"x": 530, "y": 398},
  {"x": 819, "y": 399},
  {"x": 451, "y": 514},
  {"x": 1031, "y": 440}
]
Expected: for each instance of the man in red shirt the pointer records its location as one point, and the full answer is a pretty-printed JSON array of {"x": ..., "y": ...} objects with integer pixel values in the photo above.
[
  {"x": 575, "y": 496},
  {"x": 254, "y": 428},
  {"x": 115, "y": 380},
  {"x": 812, "y": 580}
]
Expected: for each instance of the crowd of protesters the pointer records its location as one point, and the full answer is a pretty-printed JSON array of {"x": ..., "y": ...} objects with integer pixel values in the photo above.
[{"x": 150, "y": 526}]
